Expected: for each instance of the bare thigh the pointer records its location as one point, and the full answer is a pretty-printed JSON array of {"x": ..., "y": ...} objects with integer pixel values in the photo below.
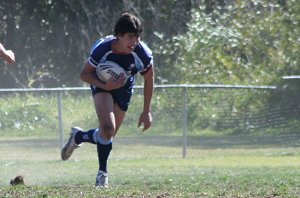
[
  {"x": 119, "y": 117},
  {"x": 110, "y": 116}
]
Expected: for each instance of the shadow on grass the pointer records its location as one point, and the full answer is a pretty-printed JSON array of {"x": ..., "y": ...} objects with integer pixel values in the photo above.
[
  {"x": 224, "y": 141},
  {"x": 200, "y": 142}
]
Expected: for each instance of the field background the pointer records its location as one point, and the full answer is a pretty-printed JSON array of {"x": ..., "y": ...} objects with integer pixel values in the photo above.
[
  {"x": 206, "y": 141},
  {"x": 141, "y": 170},
  {"x": 228, "y": 153}
]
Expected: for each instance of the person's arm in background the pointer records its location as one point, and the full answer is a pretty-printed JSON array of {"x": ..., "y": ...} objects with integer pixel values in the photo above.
[{"x": 7, "y": 55}]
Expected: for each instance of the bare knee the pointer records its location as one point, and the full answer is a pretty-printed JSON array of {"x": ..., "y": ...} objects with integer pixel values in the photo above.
[{"x": 107, "y": 131}]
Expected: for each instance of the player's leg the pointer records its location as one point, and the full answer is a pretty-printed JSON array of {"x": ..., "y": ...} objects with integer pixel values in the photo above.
[
  {"x": 119, "y": 117},
  {"x": 122, "y": 100},
  {"x": 110, "y": 121},
  {"x": 78, "y": 136},
  {"x": 104, "y": 105},
  {"x": 71, "y": 145}
]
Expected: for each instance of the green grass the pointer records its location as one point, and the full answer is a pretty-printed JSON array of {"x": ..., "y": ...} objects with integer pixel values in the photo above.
[
  {"x": 261, "y": 172},
  {"x": 172, "y": 181},
  {"x": 218, "y": 164}
]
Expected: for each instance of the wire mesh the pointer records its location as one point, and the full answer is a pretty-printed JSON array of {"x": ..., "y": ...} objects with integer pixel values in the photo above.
[{"x": 34, "y": 126}]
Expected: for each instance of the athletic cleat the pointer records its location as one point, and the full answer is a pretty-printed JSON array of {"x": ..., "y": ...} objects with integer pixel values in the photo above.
[
  {"x": 102, "y": 179},
  {"x": 67, "y": 151}
]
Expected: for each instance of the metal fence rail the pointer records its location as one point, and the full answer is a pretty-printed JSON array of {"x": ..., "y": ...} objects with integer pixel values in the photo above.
[{"x": 192, "y": 113}]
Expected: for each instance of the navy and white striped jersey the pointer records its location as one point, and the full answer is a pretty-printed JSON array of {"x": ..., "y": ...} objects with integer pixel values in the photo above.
[{"x": 138, "y": 61}]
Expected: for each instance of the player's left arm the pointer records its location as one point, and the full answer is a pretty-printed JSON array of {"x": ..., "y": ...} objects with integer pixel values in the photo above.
[{"x": 146, "y": 117}]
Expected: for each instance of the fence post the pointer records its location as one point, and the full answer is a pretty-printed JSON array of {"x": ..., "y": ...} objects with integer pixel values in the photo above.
[
  {"x": 184, "y": 123},
  {"x": 60, "y": 120}
]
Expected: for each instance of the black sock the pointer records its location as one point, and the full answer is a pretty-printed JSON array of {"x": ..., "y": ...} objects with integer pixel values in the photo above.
[
  {"x": 103, "y": 153},
  {"x": 88, "y": 136}
]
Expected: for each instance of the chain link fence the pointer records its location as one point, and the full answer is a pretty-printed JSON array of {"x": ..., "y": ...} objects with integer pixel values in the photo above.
[{"x": 35, "y": 123}]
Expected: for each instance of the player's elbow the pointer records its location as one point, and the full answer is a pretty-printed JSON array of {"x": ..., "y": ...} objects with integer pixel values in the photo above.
[
  {"x": 85, "y": 77},
  {"x": 87, "y": 72},
  {"x": 82, "y": 76}
]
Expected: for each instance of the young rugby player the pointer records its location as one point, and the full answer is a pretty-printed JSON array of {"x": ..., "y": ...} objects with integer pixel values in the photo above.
[{"x": 111, "y": 99}]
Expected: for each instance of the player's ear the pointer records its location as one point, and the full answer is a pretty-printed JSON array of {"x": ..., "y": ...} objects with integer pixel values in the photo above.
[{"x": 119, "y": 35}]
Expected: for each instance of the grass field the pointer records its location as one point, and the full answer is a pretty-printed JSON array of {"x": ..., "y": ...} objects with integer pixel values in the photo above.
[
  {"x": 141, "y": 170},
  {"x": 261, "y": 162}
]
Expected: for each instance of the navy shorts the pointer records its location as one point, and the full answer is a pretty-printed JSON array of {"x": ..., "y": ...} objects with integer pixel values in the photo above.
[{"x": 120, "y": 96}]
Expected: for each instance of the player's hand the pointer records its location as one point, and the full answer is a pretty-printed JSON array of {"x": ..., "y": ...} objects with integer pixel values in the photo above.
[
  {"x": 146, "y": 119},
  {"x": 9, "y": 57},
  {"x": 114, "y": 83}
]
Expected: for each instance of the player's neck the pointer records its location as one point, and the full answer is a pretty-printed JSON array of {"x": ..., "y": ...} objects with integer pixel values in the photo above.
[{"x": 117, "y": 48}]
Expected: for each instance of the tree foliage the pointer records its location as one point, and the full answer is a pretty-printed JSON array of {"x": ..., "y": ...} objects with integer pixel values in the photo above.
[
  {"x": 197, "y": 41},
  {"x": 52, "y": 39},
  {"x": 242, "y": 42}
]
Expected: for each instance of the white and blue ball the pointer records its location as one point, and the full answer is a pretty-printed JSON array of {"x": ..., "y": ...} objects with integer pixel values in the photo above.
[{"x": 109, "y": 69}]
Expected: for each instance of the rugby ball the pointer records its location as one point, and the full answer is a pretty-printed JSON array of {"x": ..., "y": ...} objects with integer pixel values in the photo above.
[{"x": 109, "y": 69}]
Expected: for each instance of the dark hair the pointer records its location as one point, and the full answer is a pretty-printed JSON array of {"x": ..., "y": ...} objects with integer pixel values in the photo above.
[{"x": 128, "y": 23}]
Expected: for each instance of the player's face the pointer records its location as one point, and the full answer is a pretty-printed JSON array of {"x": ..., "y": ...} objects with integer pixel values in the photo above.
[{"x": 128, "y": 42}]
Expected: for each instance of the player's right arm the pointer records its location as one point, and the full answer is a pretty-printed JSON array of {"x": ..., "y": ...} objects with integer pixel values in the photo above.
[{"x": 88, "y": 75}]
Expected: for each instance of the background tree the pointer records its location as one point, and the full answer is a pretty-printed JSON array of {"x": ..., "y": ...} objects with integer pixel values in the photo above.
[
  {"x": 52, "y": 38},
  {"x": 241, "y": 42},
  {"x": 236, "y": 42}
]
